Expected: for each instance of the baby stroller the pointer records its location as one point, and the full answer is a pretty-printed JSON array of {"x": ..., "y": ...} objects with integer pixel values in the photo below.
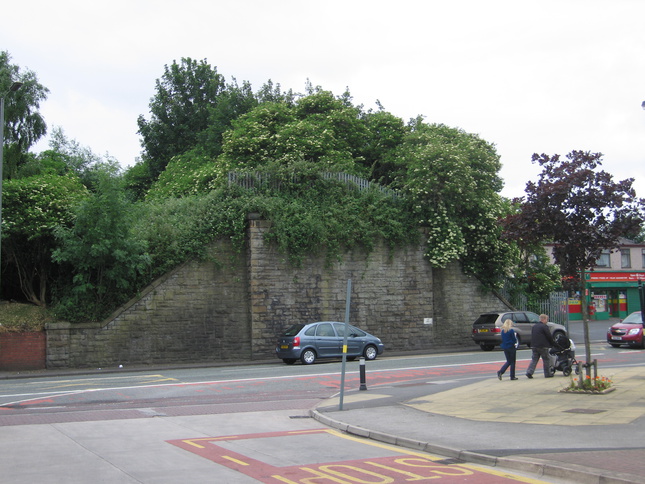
[{"x": 563, "y": 356}]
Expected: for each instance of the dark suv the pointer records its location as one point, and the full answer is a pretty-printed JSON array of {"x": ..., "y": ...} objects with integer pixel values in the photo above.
[{"x": 487, "y": 329}]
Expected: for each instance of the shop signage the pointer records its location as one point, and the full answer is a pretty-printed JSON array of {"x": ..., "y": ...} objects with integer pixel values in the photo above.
[{"x": 616, "y": 276}]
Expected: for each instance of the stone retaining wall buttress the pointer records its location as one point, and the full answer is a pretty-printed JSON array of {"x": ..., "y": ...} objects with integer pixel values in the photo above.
[{"x": 234, "y": 305}]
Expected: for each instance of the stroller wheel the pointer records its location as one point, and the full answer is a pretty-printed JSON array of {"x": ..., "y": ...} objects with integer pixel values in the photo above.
[{"x": 566, "y": 371}]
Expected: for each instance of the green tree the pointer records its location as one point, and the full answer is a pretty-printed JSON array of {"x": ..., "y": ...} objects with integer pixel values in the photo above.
[
  {"x": 137, "y": 180},
  {"x": 104, "y": 260},
  {"x": 69, "y": 156},
  {"x": 24, "y": 125},
  {"x": 581, "y": 210},
  {"x": 252, "y": 139},
  {"x": 190, "y": 173},
  {"x": 318, "y": 128},
  {"x": 384, "y": 135},
  {"x": 232, "y": 102},
  {"x": 272, "y": 93},
  {"x": 452, "y": 185},
  {"x": 180, "y": 110},
  {"x": 34, "y": 208}
]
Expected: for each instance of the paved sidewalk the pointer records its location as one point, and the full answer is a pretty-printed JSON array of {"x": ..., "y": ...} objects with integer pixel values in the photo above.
[{"x": 526, "y": 425}]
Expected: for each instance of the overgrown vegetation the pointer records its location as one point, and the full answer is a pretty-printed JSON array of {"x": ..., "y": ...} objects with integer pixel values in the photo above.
[
  {"x": 307, "y": 213},
  {"x": 110, "y": 233},
  {"x": 20, "y": 317}
]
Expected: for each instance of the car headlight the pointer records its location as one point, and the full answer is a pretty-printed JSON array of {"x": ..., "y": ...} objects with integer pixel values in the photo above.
[{"x": 634, "y": 331}]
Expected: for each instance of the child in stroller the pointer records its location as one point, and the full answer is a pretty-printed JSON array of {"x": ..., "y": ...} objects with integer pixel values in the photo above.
[{"x": 564, "y": 355}]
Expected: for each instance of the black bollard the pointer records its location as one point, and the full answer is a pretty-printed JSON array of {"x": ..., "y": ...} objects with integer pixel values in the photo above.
[{"x": 362, "y": 368}]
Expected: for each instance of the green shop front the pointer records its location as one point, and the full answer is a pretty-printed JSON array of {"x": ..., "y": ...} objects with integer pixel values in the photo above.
[{"x": 609, "y": 295}]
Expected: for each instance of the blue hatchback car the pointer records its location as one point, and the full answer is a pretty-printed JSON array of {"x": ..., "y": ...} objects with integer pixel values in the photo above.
[{"x": 324, "y": 339}]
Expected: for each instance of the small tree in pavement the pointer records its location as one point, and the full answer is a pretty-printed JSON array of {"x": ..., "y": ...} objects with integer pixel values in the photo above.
[{"x": 581, "y": 210}]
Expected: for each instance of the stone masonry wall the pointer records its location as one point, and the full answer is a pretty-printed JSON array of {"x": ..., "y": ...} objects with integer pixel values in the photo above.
[
  {"x": 392, "y": 293},
  {"x": 196, "y": 313},
  {"x": 459, "y": 299},
  {"x": 234, "y": 306}
]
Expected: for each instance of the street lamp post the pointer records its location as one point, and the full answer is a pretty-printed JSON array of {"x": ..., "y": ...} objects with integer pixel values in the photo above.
[{"x": 14, "y": 87}]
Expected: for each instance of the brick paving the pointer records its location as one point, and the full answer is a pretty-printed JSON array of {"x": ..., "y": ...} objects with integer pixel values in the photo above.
[{"x": 524, "y": 424}]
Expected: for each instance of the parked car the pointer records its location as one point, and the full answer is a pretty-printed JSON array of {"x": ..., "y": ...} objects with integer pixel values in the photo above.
[
  {"x": 628, "y": 332},
  {"x": 325, "y": 339},
  {"x": 487, "y": 328}
]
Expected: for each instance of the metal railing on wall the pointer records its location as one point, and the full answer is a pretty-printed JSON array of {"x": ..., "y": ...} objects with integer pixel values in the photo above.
[
  {"x": 556, "y": 306},
  {"x": 258, "y": 180}
]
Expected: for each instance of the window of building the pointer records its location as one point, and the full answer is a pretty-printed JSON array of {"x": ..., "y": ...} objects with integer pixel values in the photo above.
[
  {"x": 625, "y": 258},
  {"x": 603, "y": 260},
  {"x": 643, "y": 254}
]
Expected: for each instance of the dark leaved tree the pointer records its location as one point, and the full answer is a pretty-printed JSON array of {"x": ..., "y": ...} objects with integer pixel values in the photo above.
[{"x": 581, "y": 210}]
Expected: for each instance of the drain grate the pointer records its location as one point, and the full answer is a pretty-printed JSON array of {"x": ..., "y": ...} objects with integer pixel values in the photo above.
[
  {"x": 590, "y": 411},
  {"x": 299, "y": 416}
]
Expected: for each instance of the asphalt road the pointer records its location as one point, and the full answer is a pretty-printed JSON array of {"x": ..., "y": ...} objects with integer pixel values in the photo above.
[
  {"x": 117, "y": 389},
  {"x": 597, "y": 330},
  {"x": 239, "y": 423}
]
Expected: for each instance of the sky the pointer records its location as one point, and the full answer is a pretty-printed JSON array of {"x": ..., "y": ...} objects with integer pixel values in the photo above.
[{"x": 529, "y": 76}]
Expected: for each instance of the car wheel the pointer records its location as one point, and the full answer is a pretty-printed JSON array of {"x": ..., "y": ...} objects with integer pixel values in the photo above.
[
  {"x": 614, "y": 345},
  {"x": 642, "y": 345},
  {"x": 486, "y": 346},
  {"x": 308, "y": 357},
  {"x": 289, "y": 361},
  {"x": 519, "y": 340},
  {"x": 370, "y": 352}
]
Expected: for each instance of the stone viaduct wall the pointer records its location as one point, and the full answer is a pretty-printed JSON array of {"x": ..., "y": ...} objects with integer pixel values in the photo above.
[{"x": 234, "y": 306}]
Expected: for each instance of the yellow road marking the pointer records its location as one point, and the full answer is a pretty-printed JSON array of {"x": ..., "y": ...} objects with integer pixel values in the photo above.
[
  {"x": 503, "y": 474},
  {"x": 190, "y": 442},
  {"x": 208, "y": 439},
  {"x": 237, "y": 461},
  {"x": 426, "y": 455}
]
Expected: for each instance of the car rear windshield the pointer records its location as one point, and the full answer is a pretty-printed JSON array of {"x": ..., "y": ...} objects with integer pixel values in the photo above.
[
  {"x": 294, "y": 330},
  {"x": 487, "y": 319}
]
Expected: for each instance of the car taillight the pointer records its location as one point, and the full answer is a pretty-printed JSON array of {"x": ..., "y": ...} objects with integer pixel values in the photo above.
[
  {"x": 496, "y": 330},
  {"x": 296, "y": 341}
]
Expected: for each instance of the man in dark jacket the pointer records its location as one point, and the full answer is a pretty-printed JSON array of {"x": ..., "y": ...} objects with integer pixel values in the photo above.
[{"x": 541, "y": 342}]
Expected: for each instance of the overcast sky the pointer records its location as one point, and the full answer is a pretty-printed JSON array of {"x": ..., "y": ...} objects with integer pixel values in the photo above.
[{"x": 546, "y": 76}]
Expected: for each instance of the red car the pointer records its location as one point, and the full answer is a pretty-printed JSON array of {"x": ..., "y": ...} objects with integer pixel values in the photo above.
[{"x": 628, "y": 332}]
